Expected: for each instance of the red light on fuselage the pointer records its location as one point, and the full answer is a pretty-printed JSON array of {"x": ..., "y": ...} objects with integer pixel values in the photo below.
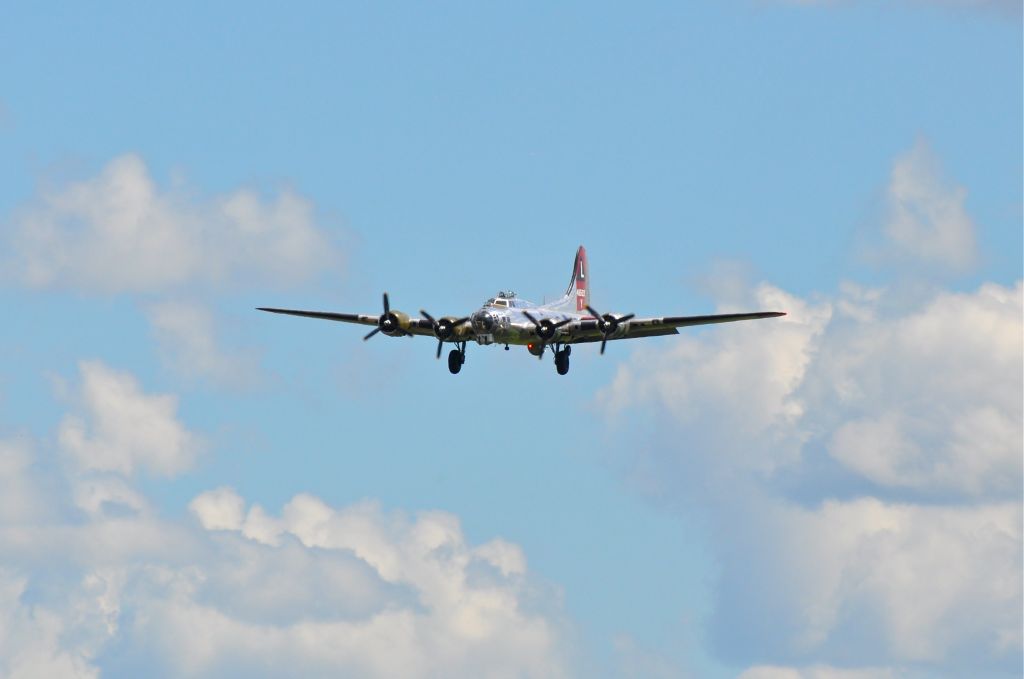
[{"x": 530, "y": 346}]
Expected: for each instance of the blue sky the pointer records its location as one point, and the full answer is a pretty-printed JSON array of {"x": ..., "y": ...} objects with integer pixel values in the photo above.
[{"x": 165, "y": 170}]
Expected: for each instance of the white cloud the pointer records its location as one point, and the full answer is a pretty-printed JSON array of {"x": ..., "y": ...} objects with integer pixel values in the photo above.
[
  {"x": 102, "y": 584},
  {"x": 187, "y": 336},
  {"x": 123, "y": 429},
  {"x": 927, "y": 219},
  {"x": 395, "y": 597},
  {"x": 743, "y": 378},
  {"x": 927, "y": 399},
  {"x": 852, "y": 396},
  {"x": 32, "y": 638},
  {"x": 220, "y": 509},
  {"x": 120, "y": 232},
  {"x": 881, "y": 582},
  {"x": 430, "y": 604}
]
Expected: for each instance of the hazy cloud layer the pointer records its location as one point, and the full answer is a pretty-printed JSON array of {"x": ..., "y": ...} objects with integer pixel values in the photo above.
[
  {"x": 120, "y": 232},
  {"x": 816, "y": 672},
  {"x": 91, "y": 578},
  {"x": 927, "y": 218},
  {"x": 188, "y": 338}
]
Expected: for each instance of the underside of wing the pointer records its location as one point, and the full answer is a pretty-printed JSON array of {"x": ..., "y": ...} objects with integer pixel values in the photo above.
[
  {"x": 589, "y": 330},
  {"x": 683, "y": 321},
  {"x": 405, "y": 324},
  {"x": 362, "y": 319}
]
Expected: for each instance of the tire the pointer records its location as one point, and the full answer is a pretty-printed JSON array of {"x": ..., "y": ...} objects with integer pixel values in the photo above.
[
  {"x": 455, "y": 361},
  {"x": 562, "y": 362}
]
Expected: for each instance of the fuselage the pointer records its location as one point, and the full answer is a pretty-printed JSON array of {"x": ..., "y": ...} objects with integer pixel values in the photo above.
[{"x": 503, "y": 320}]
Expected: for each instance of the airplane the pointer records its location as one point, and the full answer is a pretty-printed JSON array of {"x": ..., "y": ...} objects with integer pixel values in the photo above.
[{"x": 510, "y": 320}]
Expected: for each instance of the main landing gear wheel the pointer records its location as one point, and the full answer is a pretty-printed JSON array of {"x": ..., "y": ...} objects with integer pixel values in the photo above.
[
  {"x": 562, "y": 361},
  {"x": 455, "y": 360}
]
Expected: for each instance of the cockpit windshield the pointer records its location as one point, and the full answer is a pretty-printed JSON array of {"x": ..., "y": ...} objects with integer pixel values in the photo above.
[{"x": 507, "y": 300}]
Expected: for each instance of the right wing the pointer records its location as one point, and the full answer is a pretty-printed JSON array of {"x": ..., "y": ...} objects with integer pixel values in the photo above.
[{"x": 587, "y": 330}]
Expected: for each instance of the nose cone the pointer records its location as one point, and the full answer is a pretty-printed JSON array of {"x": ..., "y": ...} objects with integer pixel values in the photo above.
[{"x": 483, "y": 321}]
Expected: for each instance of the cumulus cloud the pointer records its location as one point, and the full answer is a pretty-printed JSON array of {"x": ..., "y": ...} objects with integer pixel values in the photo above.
[
  {"x": 220, "y": 509},
  {"x": 861, "y": 461},
  {"x": 103, "y": 584},
  {"x": 927, "y": 218},
  {"x": 399, "y": 596},
  {"x": 743, "y": 378},
  {"x": 121, "y": 429},
  {"x": 120, "y": 232},
  {"x": 929, "y": 399},
  {"x": 869, "y": 582},
  {"x": 187, "y": 336}
]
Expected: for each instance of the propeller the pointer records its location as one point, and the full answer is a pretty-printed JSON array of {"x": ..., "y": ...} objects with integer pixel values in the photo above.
[
  {"x": 607, "y": 324},
  {"x": 443, "y": 328},
  {"x": 545, "y": 329},
  {"x": 388, "y": 322}
]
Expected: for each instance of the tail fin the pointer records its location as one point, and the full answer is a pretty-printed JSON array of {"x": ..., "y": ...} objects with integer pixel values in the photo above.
[{"x": 579, "y": 286}]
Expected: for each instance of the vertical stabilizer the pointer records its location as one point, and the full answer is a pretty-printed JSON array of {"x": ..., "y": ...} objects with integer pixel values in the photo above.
[{"x": 579, "y": 284}]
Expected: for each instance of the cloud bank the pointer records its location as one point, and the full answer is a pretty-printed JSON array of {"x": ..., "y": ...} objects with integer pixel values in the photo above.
[
  {"x": 93, "y": 580},
  {"x": 863, "y": 466}
]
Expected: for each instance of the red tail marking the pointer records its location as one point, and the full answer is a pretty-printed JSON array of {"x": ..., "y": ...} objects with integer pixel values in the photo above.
[{"x": 581, "y": 279}]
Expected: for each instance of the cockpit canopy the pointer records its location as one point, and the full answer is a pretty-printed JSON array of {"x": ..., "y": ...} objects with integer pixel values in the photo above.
[{"x": 506, "y": 299}]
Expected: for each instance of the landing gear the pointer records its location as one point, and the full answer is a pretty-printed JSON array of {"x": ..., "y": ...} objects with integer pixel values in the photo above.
[
  {"x": 562, "y": 360},
  {"x": 456, "y": 357}
]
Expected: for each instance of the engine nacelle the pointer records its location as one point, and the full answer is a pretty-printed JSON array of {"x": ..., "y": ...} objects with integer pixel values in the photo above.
[{"x": 394, "y": 323}]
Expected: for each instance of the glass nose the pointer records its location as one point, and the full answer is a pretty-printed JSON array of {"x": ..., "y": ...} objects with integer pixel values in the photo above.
[{"x": 483, "y": 320}]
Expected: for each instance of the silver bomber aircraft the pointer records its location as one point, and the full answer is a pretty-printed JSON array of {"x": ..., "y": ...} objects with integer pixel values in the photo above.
[{"x": 507, "y": 319}]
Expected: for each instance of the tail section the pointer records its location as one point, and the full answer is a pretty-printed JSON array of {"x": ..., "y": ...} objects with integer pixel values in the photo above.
[{"x": 579, "y": 284}]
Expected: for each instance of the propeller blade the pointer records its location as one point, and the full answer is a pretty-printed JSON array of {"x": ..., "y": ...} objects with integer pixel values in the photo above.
[
  {"x": 428, "y": 317},
  {"x": 603, "y": 342},
  {"x": 543, "y": 346},
  {"x": 559, "y": 324},
  {"x": 387, "y": 306},
  {"x": 439, "y": 344},
  {"x": 371, "y": 334},
  {"x": 459, "y": 322},
  {"x": 532, "y": 319},
  {"x": 593, "y": 311},
  {"x": 625, "y": 318}
]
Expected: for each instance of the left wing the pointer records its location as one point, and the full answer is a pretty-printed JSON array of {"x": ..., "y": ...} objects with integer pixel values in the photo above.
[
  {"x": 588, "y": 331},
  {"x": 410, "y": 326}
]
